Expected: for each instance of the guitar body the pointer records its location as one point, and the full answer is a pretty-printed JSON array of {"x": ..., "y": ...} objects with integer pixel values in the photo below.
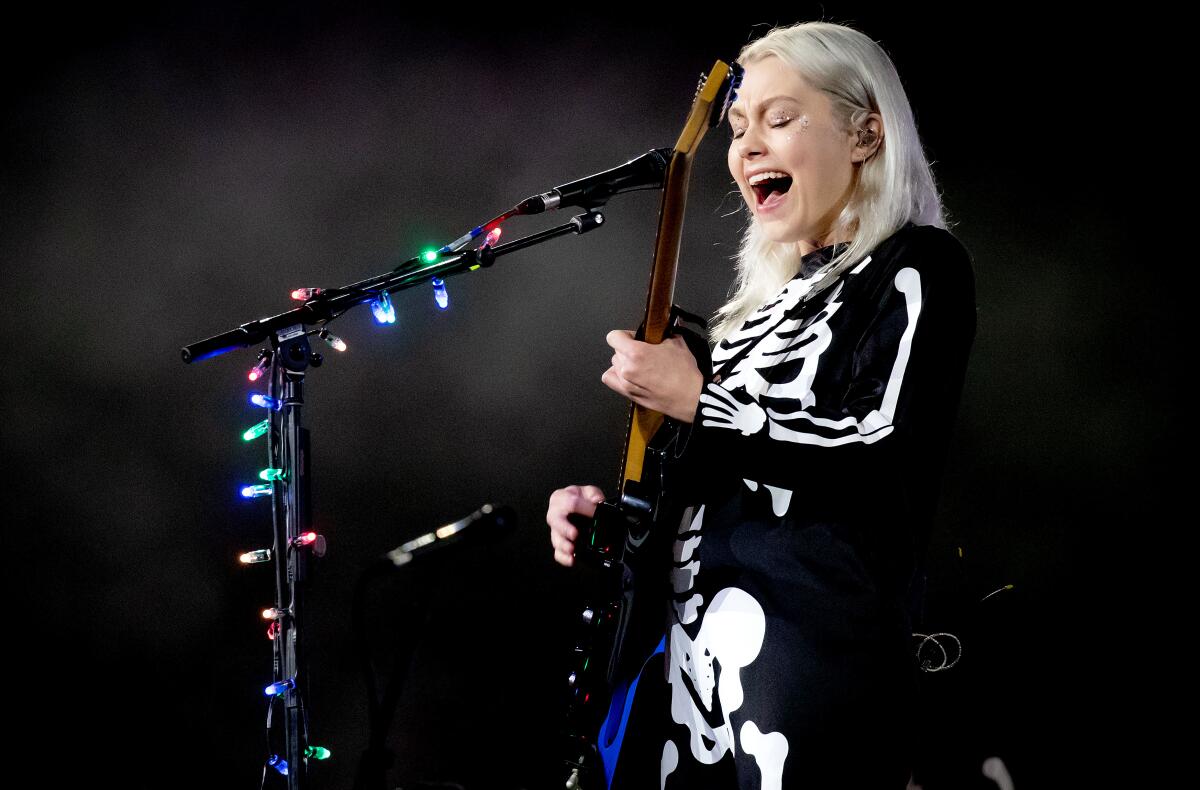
[
  {"x": 617, "y": 677},
  {"x": 631, "y": 536}
]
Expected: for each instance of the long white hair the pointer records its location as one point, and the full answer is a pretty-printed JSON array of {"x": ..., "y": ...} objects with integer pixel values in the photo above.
[{"x": 895, "y": 185}]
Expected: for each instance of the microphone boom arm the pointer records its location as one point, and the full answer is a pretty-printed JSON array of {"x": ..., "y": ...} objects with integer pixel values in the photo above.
[{"x": 331, "y": 304}]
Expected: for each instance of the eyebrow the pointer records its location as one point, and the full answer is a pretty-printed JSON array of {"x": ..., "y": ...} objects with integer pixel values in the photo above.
[{"x": 765, "y": 103}]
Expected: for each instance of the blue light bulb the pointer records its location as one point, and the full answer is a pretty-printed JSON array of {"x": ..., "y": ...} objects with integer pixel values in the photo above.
[
  {"x": 265, "y": 401},
  {"x": 382, "y": 308},
  {"x": 278, "y": 763},
  {"x": 439, "y": 293},
  {"x": 275, "y": 689},
  {"x": 251, "y": 492}
]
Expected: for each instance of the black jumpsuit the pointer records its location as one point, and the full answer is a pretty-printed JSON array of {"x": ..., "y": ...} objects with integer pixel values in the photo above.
[{"x": 822, "y": 436}]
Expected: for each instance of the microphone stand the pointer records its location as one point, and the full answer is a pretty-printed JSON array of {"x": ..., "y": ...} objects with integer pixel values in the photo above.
[
  {"x": 329, "y": 305},
  {"x": 288, "y": 451}
]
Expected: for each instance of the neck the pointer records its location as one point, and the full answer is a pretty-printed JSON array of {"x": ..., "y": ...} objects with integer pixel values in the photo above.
[{"x": 812, "y": 245}]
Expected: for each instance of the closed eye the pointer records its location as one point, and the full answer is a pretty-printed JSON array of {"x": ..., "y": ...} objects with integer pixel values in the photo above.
[{"x": 775, "y": 125}]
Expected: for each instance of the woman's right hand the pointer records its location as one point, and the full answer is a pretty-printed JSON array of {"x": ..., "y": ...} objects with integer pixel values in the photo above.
[{"x": 564, "y": 502}]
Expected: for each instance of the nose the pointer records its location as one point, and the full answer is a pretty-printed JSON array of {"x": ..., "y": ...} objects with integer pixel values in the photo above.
[{"x": 749, "y": 145}]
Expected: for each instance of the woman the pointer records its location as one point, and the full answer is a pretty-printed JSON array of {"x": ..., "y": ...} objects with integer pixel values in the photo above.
[{"x": 821, "y": 433}]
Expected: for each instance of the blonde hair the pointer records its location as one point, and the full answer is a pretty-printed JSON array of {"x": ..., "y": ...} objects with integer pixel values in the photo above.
[{"x": 894, "y": 186}]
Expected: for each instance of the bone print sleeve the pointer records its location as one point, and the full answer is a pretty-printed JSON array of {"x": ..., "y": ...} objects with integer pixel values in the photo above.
[{"x": 858, "y": 388}]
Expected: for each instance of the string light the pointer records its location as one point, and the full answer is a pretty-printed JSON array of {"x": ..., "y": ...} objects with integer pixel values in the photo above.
[
  {"x": 265, "y": 401},
  {"x": 260, "y": 370},
  {"x": 280, "y": 688},
  {"x": 272, "y": 613},
  {"x": 278, "y": 763},
  {"x": 383, "y": 310},
  {"x": 430, "y": 255},
  {"x": 439, "y": 293},
  {"x": 333, "y": 340},
  {"x": 304, "y": 294},
  {"x": 304, "y": 539},
  {"x": 317, "y": 752},
  {"x": 492, "y": 237},
  {"x": 271, "y": 474},
  {"x": 253, "y": 492},
  {"x": 256, "y": 556},
  {"x": 256, "y": 431}
]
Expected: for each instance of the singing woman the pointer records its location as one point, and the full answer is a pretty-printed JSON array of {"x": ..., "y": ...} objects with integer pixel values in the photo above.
[{"x": 818, "y": 437}]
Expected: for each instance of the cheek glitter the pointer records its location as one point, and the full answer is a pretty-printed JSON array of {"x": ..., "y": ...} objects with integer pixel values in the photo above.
[{"x": 801, "y": 126}]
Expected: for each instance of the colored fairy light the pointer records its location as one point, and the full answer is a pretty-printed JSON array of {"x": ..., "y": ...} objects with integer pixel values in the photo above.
[
  {"x": 304, "y": 294},
  {"x": 258, "y": 555},
  {"x": 333, "y": 340},
  {"x": 259, "y": 370},
  {"x": 253, "y": 492},
  {"x": 272, "y": 613},
  {"x": 257, "y": 430},
  {"x": 276, "y": 689},
  {"x": 271, "y": 474},
  {"x": 305, "y": 539},
  {"x": 273, "y": 630},
  {"x": 265, "y": 401},
  {"x": 439, "y": 293},
  {"x": 278, "y": 763},
  {"x": 429, "y": 256},
  {"x": 492, "y": 237},
  {"x": 317, "y": 752},
  {"x": 382, "y": 308}
]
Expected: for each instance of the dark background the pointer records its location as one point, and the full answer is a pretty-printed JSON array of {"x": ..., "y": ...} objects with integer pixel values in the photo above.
[{"x": 169, "y": 174}]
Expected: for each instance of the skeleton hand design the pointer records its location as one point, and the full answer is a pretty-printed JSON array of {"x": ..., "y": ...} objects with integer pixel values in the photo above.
[{"x": 727, "y": 410}]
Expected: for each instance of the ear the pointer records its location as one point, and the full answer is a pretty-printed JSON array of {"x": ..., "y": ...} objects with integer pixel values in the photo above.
[{"x": 869, "y": 138}]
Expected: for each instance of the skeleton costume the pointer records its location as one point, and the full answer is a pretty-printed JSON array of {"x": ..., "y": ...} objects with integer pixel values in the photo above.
[{"x": 820, "y": 438}]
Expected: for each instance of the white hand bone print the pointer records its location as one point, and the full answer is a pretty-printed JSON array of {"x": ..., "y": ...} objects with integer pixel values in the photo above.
[{"x": 723, "y": 410}]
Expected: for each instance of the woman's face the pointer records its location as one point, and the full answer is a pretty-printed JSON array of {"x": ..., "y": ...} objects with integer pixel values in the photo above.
[{"x": 792, "y": 161}]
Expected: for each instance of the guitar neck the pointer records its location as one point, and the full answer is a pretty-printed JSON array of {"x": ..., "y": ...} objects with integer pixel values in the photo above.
[{"x": 712, "y": 98}]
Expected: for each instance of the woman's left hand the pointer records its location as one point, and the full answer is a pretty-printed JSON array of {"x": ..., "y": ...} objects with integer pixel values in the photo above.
[{"x": 663, "y": 377}]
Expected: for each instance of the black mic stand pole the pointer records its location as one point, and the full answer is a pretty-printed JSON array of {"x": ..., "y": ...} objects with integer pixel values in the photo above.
[{"x": 287, "y": 447}]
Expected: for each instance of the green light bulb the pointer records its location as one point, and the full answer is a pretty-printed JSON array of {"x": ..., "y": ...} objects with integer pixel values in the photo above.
[
  {"x": 317, "y": 752},
  {"x": 258, "y": 430},
  {"x": 271, "y": 474},
  {"x": 429, "y": 256}
]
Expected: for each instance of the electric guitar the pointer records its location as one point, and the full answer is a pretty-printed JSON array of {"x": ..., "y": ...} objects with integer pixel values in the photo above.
[{"x": 631, "y": 534}]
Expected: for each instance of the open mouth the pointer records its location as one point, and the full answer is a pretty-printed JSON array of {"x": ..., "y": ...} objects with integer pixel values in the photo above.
[{"x": 763, "y": 190}]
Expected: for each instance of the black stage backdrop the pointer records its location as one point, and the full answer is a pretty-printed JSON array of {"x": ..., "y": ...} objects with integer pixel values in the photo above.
[{"x": 169, "y": 174}]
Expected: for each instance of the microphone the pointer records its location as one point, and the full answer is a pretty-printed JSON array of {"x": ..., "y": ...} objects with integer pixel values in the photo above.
[
  {"x": 487, "y": 520},
  {"x": 644, "y": 171}
]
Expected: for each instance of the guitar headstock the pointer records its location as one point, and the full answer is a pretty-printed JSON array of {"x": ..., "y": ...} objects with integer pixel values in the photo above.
[
  {"x": 727, "y": 93},
  {"x": 714, "y": 94}
]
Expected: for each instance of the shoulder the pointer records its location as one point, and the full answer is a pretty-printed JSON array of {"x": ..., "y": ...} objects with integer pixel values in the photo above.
[
  {"x": 925, "y": 245},
  {"x": 934, "y": 253}
]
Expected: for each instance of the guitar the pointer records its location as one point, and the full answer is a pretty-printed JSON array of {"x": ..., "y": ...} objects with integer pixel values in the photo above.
[{"x": 630, "y": 536}]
